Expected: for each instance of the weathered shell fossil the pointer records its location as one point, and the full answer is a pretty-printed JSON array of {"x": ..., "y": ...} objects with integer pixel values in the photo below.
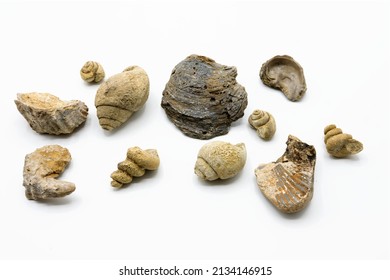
[
  {"x": 134, "y": 165},
  {"x": 340, "y": 144},
  {"x": 288, "y": 182},
  {"x": 264, "y": 123},
  {"x": 92, "y": 72},
  {"x": 284, "y": 73},
  {"x": 46, "y": 113},
  {"x": 220, "y": 160},
  {"x": 202, "y": 98},
  {"x": 120, "y": 96},
  {"x": 41, "y": 168}
]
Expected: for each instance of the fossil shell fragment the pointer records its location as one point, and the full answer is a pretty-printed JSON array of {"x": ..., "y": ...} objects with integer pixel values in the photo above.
[
  {"x": 340, "y": 144},
  {"x": 284, "y": 73},
  {"x": 135, "y": 164},
  {"x": 92, "y": 72},
  {"x": 220, "y": 160},
  {"x": 41, "y": 168},
  {"x": 202, "y": 98},
  {"x": 264, "y": 123},
  {"x": 120, "y": 96},
  {"x": 288, "y": 182},
  {"x": 46, "y": 113}
]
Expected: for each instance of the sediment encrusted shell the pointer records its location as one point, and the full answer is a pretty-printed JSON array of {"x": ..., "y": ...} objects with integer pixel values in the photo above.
[
  {"x": 120, "y": 96},
  {"x": 92, "y": 72},
  {"x": 46, "y": 113},
  {"x": 264, "y": 123},
  {"x": 220, "y": 160},
  {"x": 340, "y": 144},
  {"x": 284, "y": 73},
  {"x": 202, "y": 98},
  {"x": 288, "y": 182}
]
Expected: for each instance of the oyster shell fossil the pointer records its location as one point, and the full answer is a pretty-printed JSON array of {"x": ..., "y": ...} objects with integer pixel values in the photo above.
[
  {"x": 46, "y": 113},
  {"x": 202, "y": 98},
  {"x": 288, "y": 182},
  {"x": 340, "y": 144},
  {"x": 284, "y": 73},
  {"x": 264, "y": 123},
  {"x": 92, "y": 72}
]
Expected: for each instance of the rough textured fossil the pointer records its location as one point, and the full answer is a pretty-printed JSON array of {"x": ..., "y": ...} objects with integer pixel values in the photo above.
[
  {"x": 202, "y": 98},
  {"x": 46, "y": 113},
  {"x": 134, "y": 165},
  {"x": 120, "y": 96},
  {"x": 288, "y": 182},
  {"x": 264, "y": 123},
  {"x": 41, "y": 168},
  {"x": 92, "y": 72},
  {"x": 220, "y": 160},
  {"x": 340, "y": 144},
  {"x": 284, "y": 73}
]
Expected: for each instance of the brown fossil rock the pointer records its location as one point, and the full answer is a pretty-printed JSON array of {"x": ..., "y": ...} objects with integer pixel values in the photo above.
[
  {"x": 264, "y": 123},
  {"x": 92, "y": 72},
  {"x": 340, "y": 144}
]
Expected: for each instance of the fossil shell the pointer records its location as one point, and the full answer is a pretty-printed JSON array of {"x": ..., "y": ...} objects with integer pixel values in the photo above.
[
  {"x": 284, "y": 73},
  {"x": 134, "y": 165},
  {"x": 46, "y": 113},
  {"x": 264, "y": 123},
  {"x": 41, "y": 168},
  {"x": 120, "y": 96},
  {"x": 92, "y": 72},
  {"x": 202, "y": 98},
  {"x": 340, "y": 144},
  {"x": 220, "y": 160},
  {"x": 288, "y": 182}
]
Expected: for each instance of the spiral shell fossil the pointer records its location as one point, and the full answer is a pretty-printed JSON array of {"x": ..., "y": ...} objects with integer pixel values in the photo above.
[
  {"x": 135, "y": 164},
  {"x": 288, "y": 182},
  {"x": 264, "y": 123},
  {"x": 340, "y": 144},
  {"x": 220, "y": 160},
  {"x": 92, "y": 72},
  {"x": 120, "y": 96}
]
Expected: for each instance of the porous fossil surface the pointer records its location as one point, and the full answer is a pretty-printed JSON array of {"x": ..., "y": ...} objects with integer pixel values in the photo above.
[
  {"x": 264, "y": 123},
  {"x": 340, "y": 144}
]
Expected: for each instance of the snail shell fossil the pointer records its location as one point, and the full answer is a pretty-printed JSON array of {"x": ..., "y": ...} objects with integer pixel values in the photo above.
[
  {"x": 92, "y": 72},
  {"x": 120, "y": 96},
  {"x": 340, "y": 144},
  {"x": 264, "y": 123}
]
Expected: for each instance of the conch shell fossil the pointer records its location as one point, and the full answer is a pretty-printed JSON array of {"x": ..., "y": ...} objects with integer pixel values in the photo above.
[
  {"x": 284, "y": 73},
  {"x": 41, "y": 168},
  {"x": 220, "y": 160},
  {"x": 120, "y": 96},
  {"x": 288, "y": 182},
  {"x": 46, "y": 113},
  {"x": 340, "y": 144},
  {"x": 135, "y": 164},
  {"x": 92, "y": 72},
  {"x": 264, "y": 123}
]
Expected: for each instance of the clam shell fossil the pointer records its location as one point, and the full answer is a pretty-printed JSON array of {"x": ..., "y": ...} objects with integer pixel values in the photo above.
[
  {"x": 288, "y": 182},
  {"x": 284, "y": 73},
  {"x": 264, "y": 123},
  {"x": 340, "y": 144},
  {"x": 92, "y": 72}
]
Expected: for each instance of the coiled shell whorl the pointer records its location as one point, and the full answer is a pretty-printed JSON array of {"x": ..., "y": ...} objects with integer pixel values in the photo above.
[
  {"x": 340, "y": 144},
  {"x": 264, "y": 123},
  {"x": 92, "y": 72}
]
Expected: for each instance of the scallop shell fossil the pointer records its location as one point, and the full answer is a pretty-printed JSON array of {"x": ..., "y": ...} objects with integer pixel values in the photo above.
[
  {"x": 288, "y": 182},
  {"x": 220, "y": 160},
  {"x": 92, "y": 72},
  {"x": 46, "y": 113},
  {"x": 120, "y": 96},
  {"x": 284, "y": 73},
  {"x": 340, "y": 144},
  {"x": 264, "y": 123}
]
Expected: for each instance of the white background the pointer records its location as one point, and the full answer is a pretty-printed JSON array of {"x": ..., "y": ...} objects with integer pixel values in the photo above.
[{"x": 170, "y": 213}]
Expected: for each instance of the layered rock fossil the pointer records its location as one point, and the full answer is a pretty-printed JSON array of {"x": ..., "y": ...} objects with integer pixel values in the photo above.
[
  {"x": 340, "y": 144},
  {"x": 264, "y": 123}
]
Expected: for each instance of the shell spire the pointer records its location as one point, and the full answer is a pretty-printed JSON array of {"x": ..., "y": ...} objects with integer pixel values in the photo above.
[
  {"x": 340, "y": 144},
  {"x": 264, "y": 123}
]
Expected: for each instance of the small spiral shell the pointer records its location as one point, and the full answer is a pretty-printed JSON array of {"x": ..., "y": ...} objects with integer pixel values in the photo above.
[
  {"x": 92, "y": 72},
  {"x": 264, "y": 123},
  {"x": 340, "y": 144},
  {"x": 135, "y": 164}
]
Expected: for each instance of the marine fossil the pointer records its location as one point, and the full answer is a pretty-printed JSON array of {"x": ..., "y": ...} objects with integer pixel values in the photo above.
[
  {"x": 120, "y": 96},
  {"x": 41, "y": 168},
  {"x": 220, "y": 160},
  {"x": 340, "y": 144},
  {"x": 134, "y": 165},
  {"x": 288, "y": 182},
  {"x": 284, "y": 73},
  {"x": 264, "y": 123},
  {"x": 92, "y": 72},
  {"x": 46, "y": 113},
  {"x": 202, "y": 98}
]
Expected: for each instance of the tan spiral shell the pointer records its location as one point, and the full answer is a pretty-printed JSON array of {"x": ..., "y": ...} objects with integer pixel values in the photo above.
[
  {"x": 264, "y": 123},
  {"x": 340, "y": 144},
  {"x": 92, "y": 72}
]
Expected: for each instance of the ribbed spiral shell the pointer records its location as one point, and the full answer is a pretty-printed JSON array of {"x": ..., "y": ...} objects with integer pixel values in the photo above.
[
  {"x": 340, "y": 144},
  {"x": 264, "y": 123},
  {"x": 92, "y": 72}
]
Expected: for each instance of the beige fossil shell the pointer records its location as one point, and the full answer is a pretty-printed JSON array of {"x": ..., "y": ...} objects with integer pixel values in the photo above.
[
  {"x": 288, "y": 182},
  {"x": 46, "y": 113},
  {"x": 220, "y": 160},
  {"x": 284, "y": 73},
  {"x": 120, "y": 96},
  {"x": 340, "y": 144},
  {"x": 264, "y": 123},
  {"x": 135, "y": 164},
  {"x": 92, "y": 72},
  {"x": 41, "y": 168}
]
